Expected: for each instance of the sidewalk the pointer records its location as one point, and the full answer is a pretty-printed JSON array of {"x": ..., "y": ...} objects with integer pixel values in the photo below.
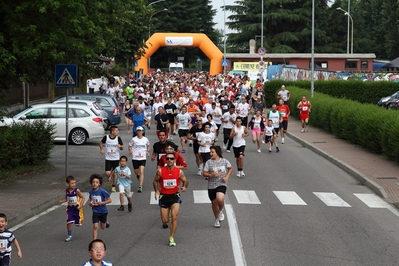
[{"x": 31, "y": 195}]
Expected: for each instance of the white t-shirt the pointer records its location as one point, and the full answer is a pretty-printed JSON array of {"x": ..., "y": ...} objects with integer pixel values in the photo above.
[
  {"x": 184, "y": 120},
  {"x": 205, "y": 138},
  {"x": 239, "y": 140},
  {"x": 226, "y": 116},
  {"x": 139, "y": 148}
]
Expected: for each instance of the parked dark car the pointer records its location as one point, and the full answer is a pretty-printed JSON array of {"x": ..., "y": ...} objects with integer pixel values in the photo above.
[
  {"x": 108, "y": 102},
  {"x": 388, "y": 101}
]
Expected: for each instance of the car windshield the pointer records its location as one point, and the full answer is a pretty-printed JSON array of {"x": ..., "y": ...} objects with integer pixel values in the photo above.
[{"x": 22, "y": 112}]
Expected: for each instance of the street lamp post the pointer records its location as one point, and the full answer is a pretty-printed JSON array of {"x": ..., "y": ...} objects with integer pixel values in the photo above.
[
  {"x": 224, "y": 38},
  {"x": 312, "y": 61},
  {"x": 149, "y": 27},
  {"x": 261, "y": 43},
  {"x": 349, "y": 15}
]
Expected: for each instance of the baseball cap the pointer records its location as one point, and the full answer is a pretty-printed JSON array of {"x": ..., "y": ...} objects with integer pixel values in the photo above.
[{"x": 139, "y": 128}]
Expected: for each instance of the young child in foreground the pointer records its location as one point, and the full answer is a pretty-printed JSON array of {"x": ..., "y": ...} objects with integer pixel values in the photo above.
[
  {"x": 6, "y": 239},
  {"x": 97, "y": 250}
]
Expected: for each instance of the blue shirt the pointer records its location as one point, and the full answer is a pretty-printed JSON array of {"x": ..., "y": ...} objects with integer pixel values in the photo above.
[
  {"x": 138, "y": 120},
  {"x": 99, "y": 195},
  {"x": 103, "y": 263},
  {"x": 122, "y": 180}
]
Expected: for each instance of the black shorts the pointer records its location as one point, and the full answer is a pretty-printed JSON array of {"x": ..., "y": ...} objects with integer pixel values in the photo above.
[
  {"x": 99, "y": 217},
  {"x": 167, "y": 200},
  {"x": 171, "y": 119},
  {"x": 212, "y": 192},
  {"x": 205, "y": 156},
  {"x": 195, "y": 147},
  {"x": 138, "y": 163},
  {"x": 268, "y": 139},
  {"x": 218, "y": 125},
  {"x": 239, "y": 151},
  {"x": 284, "y": 125},
  {"x": 111, "y": 165},
  {"x": 277, "y": 130},
  {"x": 183, "y": 132}
]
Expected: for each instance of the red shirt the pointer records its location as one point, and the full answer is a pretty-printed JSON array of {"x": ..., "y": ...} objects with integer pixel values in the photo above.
[
  {"x": 169, "y": 180},
  {"x": 304, "y": 108},
  {"x": 178, "y": 162},
  {"x": 284, "y": 110}
]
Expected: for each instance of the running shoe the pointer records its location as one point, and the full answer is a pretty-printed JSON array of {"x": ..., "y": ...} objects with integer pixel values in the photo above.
[
  {"x": 165, "y": 225},
  {"x": 282, "y": 140},
  {"x": 68, "y": 239},
  {"x": 129, "y": 207},
  {"x": 140, "y": 189},
  {"x": 228, "y": 150},
  {"x": 259, "y": 151},
  {"x": 183, "y": 151},
  {"x": 239, "y": 174},
  {"x": 107, "y": 225},
  {"x": 199, "y": 172},
  {"x": 270, "y": 149},
  {"x": 172, "y": 242},
  {"x": 221, "y": 216},
  {"x": 113, "y": 189},
  {"x": 217, "y": 223},
  {"x": 303, "y": 130},
  {"x": 121, "y": 208},
  {"x": 263, "y": 141},
  {"x": 242, "y": 173},
  {"x": 277, "y": 149},
  {"x": 224, "y": 146},
  {"x": 128, "y": 132},
  {"x": 190, "y": 144}
]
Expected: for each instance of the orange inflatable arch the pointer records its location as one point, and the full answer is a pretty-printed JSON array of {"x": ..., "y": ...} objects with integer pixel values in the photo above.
[{"x": 184, "y": 40}]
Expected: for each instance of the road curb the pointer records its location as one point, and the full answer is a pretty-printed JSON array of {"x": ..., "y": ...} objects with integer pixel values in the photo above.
[{"x": 348, "y": 169}]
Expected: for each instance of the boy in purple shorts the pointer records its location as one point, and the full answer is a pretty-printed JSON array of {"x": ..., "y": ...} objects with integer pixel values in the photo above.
[{"x": 74, "y": 199}]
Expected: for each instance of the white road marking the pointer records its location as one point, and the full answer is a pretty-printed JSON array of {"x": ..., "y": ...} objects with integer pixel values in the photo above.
[
  {"x": 371, "y": 200},
  {"x": 34, "y": 218},
  {"x": 331, "y": 199},
  {"x": 152, "y": 198},
  {"x": 246, "y": 197},
  {"x": 239, "y": 256},
  {"x": 289, "y": 198},
  {"x": 201, "y": 196}
]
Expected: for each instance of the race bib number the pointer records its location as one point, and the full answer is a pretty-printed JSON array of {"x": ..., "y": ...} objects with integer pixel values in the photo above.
[
  {"x": 72, "y": 200},
  {"x": 256, "y": 126},
  {"x": 269, "y": 133},
  {"x": 111, "y": 152},
  {"x": 224, "y": 107},
  {"x": 305, "y": 108},
  {"x": 3, "y": 244},
  {"x": 284, "y": 97},
  {"x": 169, "y": 183},
  {"x": 96, "y": 198},
  {"x": 283, "y": 114},
  {"x": 169, "y": 111}
]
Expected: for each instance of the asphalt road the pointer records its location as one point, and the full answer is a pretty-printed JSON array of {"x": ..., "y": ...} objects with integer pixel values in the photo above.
[{"x": 292, "y": 208}]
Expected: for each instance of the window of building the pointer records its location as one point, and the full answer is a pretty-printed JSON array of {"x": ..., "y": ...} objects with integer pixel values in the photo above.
[
  {"x": 319, "y": 64},
  {"x": 350, "y": 64},
  {"x": 280, "y": 62},
  {"x": 364, "y": 64}
]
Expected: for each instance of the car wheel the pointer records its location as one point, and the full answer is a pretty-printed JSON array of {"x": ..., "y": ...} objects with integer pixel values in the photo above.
[{"x": 78, "y": 136}]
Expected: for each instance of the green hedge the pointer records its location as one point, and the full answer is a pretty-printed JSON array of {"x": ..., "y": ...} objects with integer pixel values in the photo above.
[
  {"x": 367, "y": 125},
  {"x": 25, "y": 144},
  {"x": 364, "y": 92}
]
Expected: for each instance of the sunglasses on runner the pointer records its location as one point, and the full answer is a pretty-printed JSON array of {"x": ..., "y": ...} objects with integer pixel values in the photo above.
[{"x": 170, "y": 158}]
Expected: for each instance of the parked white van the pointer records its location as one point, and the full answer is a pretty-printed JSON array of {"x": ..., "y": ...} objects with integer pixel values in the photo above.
[{"x": 178, "y": 67}]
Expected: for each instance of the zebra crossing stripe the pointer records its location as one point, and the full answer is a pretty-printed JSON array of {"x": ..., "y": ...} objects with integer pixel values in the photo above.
[
  {"x": 201, "y": 196},
  {"x": 246, "y": 197},
  {"x": 152, "y": 198},
  {"x": 289, "y": 198},
  {"x": 371, "y": 200},
  {"x": 331, "y": 199}
]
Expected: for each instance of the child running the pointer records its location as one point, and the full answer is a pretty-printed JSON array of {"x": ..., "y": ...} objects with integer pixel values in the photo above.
[
  {"x": 74, "y": 199},
  {"x": 124, "y": 183},
  {"x": 271, "y": 136},
  {"x": 99, "y": 197},
  {"x": 6, "y": 239}
]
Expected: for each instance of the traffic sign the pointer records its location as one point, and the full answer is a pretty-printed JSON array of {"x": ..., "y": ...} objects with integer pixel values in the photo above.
[
  {"x": 225, "y": 62},
  {"x": 66, "y": 76},
  {"x": 261, "y": 51}
]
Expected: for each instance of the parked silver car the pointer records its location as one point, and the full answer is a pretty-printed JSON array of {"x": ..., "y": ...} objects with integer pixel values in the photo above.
[{"x": 83, "y": 121}]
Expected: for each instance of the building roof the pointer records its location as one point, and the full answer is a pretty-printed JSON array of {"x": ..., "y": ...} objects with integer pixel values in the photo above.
[{"x": 287, "y": 56}]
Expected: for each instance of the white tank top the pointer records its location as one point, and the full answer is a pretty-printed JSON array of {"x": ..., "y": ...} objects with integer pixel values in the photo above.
[
  {"x": 238, "y": 140},
  {"x": 111, "y": 149}
]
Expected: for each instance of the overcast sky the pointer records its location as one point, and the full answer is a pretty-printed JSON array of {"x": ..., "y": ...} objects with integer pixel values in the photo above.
[{"x": 219, "y": 17}]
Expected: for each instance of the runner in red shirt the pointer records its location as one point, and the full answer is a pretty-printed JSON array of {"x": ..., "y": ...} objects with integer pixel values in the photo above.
[
  {"x": 305, "y": 107},
  {"x": 285, "y": 112},
  {"x": 179, "y": 162}
]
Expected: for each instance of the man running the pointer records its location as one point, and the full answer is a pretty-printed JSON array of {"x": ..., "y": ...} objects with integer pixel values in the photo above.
[
  {"x": 166, "y": 185},
  {"x": 238, "y": 133},
  {"x": 285, "y": 112},
  {"x": 305, "y": 107}
]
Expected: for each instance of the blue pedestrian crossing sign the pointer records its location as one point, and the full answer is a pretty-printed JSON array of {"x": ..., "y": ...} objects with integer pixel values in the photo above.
[
  {"x": 66, "y": 76},
  {"x": 225, "y": 62}
]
